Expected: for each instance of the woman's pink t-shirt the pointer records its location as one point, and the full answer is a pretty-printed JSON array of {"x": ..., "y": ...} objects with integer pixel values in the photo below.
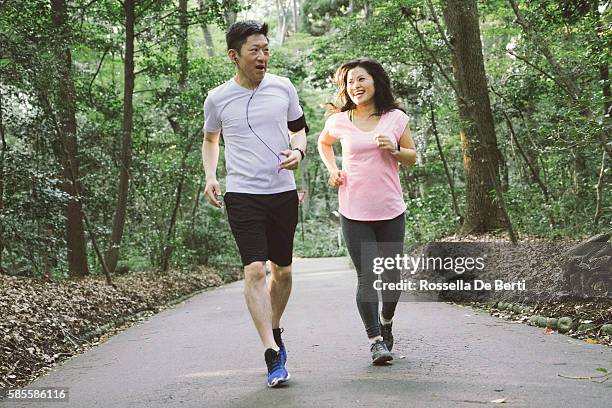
[{"x": 371, "y": 189}]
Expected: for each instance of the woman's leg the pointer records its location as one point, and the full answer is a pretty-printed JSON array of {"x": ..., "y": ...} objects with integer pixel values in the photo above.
[
  {"x": 390, "y": 235},
  {"x": 355, "y": 233}
]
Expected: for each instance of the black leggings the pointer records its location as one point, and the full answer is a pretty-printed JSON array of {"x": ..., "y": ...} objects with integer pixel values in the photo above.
[{"x": 389, "y": 232}]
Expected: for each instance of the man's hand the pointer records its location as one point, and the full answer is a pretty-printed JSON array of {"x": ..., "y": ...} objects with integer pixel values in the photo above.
[
  {"x": 336, "y": 178},
  {"x": 212, "y": 191},
  {"x": 292, "y": 161}
]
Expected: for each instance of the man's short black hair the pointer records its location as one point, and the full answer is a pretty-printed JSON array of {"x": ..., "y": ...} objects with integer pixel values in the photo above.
[{"x": 240, "y": 30}]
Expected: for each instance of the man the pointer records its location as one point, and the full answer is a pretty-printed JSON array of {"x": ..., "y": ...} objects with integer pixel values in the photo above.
[{"x": 264, "y": 131}]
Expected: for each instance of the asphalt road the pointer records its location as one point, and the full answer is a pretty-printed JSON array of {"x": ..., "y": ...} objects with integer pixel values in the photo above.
[{"x": 205, "y": 353}]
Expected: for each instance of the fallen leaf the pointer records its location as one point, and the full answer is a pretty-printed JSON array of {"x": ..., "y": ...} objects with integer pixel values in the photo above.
[{"x": 548, "y": 330}]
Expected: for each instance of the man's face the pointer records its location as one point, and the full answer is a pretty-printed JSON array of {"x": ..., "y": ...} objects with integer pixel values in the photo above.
[{"x": 254, "y": 57}]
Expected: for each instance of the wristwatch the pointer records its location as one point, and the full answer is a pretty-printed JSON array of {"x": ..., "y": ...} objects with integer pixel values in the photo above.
[
  {"x": 397, "y": 151},
  {"x": 299, "y": 150}
]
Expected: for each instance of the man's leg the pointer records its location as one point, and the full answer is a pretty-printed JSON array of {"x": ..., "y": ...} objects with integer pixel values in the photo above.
[
  {"x": 257, "y": 299},
  {"x": 280, "y": 289},
  {"x": 280, "y": 230},
  {"x": 247, "y": 220}
]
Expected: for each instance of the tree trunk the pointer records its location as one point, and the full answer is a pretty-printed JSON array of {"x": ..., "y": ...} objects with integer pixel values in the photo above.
[
  {"x": 534, "y": 173},
  {"x": 183, "y": 46},
  {"x": 481, "y": 157},
  {"x": 2, "y": 156},
  {"x": 196, "y": 204},
  {"x": 599, "y": 189},
  {"x": 183, "y": 62},
  {"x": 304, "y": 185},
  {"x": 451, "y": 185},
  {"x": 282, "y": 22},
  {"x": 230, "y": 17},
  {"x": 112, "y": 253},
  {"x": 369, "y": 8},
  {"x": 313, "y": 181},
  {"x": 296, "y": 16},
  {"x": 75, "y": 235},
  {"x": 421, "y": 138},
  {"x": 604, "y": 74},
  {"x": 210, "y": 46}
]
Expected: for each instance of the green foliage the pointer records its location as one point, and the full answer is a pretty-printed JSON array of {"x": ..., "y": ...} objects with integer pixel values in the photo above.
[
  {"x": 317, "y": 14},
  {"x": 557, "y": 133}
]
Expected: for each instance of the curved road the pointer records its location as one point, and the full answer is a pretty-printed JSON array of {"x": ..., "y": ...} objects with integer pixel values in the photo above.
[{"x": 205, "y": 353}]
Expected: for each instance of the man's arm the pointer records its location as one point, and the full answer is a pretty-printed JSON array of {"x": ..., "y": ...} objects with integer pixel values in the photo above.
[
  {"x": 210, "y": 157},
  {"x": 297, "y": 140},
  {"x": 296, "y": 123}
]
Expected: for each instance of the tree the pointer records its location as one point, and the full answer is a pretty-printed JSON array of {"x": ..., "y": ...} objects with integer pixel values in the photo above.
[
  {"x": 112, "y": 253},
  {"x": 210, "y": 47},
  {"x": 2, "y": 155},
  {"x": 181, "y": 130},
  {"x": 481, "y": 158},
  {"x": 282, "y": 8},
  {"x": 68, "y": 152}
]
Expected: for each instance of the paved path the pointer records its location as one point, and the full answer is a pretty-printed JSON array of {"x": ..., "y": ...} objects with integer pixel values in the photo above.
[{"x": 205, "y": 353}]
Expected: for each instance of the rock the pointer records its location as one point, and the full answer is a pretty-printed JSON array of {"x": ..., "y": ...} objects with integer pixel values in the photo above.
[
  {"x": 605, "y": 251},
  {"x": 565, "y": 324},
  {"x": 551, "y": 322},
  {"x": 542, "y": 321},
  {"x": 585, "y": 248},
  {"x": 588, "y": 266},
  {"x": 586, "y": 326}
]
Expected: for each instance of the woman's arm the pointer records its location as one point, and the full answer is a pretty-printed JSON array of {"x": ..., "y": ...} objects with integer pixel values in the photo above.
[
  {"x": 326, "y": 151},
  {"x": 406, "y": 154}
]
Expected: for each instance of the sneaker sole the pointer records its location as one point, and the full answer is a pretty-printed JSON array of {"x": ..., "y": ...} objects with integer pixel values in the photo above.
[
  {"x": 381, "y": 360},
  {"x": 278, "y": 381}
]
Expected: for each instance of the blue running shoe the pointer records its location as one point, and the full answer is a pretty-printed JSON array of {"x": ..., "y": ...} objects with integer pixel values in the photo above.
[
  {"x": 277, "y": 374},
  {"x": 280, "y": 344},
  {"x": 283, "y": 355}
]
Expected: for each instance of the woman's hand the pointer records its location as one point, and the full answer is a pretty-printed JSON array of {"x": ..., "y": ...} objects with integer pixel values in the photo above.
[
  {"x": 336, "y": 178},
  {"x": 384, "y": 142}
]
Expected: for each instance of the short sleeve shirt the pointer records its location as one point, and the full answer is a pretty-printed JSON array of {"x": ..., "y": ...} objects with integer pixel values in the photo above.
[
  {"x": 254, "y": 128},
  {"x": 372, "y": 189}
]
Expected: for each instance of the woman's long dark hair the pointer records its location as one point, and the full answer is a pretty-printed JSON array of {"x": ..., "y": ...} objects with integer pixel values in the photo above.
[{"x": 383, "y": 96}]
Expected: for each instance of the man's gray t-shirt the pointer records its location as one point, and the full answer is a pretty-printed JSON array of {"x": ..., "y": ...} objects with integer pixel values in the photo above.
[{"x": 252, "y": 167}]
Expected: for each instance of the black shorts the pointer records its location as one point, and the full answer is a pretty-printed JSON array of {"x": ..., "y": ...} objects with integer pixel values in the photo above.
[{"x": 263, "y": 225}]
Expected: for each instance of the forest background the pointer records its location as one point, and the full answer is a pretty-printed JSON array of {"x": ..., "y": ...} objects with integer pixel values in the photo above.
[{"x": 101, "y": 118}]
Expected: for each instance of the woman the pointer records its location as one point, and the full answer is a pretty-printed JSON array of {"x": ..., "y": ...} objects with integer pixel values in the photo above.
[{"x": 375, "y": 137}]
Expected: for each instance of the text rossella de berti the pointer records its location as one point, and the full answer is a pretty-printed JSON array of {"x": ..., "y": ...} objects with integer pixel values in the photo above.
[{"x": 459, "y": 265}]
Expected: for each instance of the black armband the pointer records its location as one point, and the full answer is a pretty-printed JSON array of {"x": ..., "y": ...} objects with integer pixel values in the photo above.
[{"x": 298, "y": 124}]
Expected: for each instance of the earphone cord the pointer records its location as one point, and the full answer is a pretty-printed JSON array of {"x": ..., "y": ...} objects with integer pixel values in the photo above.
[{"x": 251, "y": 128}]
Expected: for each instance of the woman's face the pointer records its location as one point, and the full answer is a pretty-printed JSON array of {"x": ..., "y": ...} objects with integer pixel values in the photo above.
[{"x": 360, "y": 86}]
